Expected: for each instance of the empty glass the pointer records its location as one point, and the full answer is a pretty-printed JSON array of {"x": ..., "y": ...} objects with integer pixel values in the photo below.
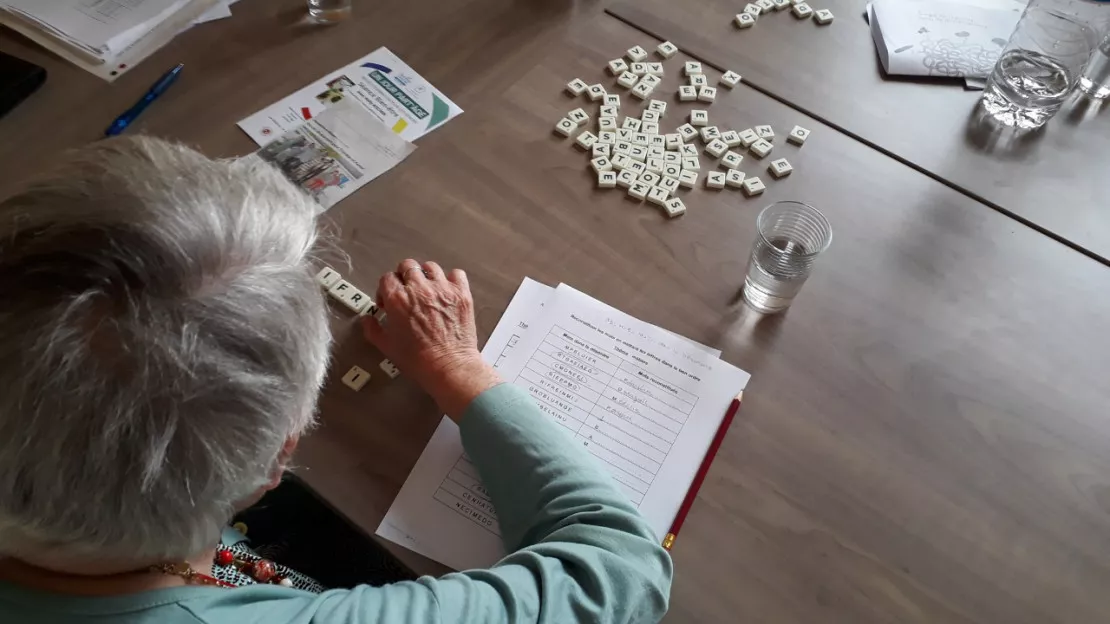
[
  {"x": 329, "y": 11},
  {"x": 1038, "y": 67},
  {"x": 791, "y": 236}
]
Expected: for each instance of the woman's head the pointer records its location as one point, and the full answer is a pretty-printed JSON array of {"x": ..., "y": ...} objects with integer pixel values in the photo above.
[{"x": 161, "y": 340}]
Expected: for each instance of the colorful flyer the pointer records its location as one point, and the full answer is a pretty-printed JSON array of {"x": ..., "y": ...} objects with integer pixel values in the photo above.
[{"x": 380, "y": 82}]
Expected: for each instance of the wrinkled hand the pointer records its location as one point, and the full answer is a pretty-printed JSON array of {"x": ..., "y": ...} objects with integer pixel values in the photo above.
[{"x": 429, "y": 333}]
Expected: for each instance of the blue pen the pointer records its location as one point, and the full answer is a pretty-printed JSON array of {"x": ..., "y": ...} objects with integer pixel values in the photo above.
[{"x": 124, "y": 120}]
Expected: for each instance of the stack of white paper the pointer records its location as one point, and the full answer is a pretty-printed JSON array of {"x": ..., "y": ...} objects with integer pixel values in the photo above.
[{"x": 646, "y": 402}]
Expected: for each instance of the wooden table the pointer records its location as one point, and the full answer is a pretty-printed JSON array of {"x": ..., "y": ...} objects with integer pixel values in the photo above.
[
  {"x": 1053, "y": 180},
  {"x": 924, "y": 437}
]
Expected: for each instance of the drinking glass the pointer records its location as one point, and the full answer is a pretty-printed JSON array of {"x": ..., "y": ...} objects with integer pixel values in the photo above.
[
  {"x": 329, "y": 11},
  {"x": 791, "y": 236},
  {"x": 1038, "y": 67}
]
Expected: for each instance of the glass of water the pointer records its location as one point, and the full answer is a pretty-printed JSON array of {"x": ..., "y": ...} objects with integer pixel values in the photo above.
[
  {"x": 1038, "y": 67},
  {"x": 329, "y": 11},
  {"x": 791, "y": 236}
]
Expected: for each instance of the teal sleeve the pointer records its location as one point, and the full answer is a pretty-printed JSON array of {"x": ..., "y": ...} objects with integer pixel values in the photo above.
[{"x": 580, "y": 552}]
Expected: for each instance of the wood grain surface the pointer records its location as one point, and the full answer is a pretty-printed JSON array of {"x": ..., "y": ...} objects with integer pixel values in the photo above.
[
  {"x": 1051, "y": 179},
  {"x": 924, "y": 438}
]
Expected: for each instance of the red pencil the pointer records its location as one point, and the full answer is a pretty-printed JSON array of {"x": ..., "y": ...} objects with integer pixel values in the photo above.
[{"x": 699, "y": 478}]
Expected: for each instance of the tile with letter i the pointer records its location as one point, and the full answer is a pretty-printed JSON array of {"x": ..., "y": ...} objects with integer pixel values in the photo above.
[
  {"x": 744, "y": 20},
  {"x": 328, "y": 277},
  {"x": 576, "y": 87},
  {"x": 688, "y": 178},
  {"x": 753, "y": 186},
  {"x": 356, "y": 378},
  {"x": 747, "y": 137},
  {"x": 617, "y": 67},
  {"x": 637, "y": 54}
]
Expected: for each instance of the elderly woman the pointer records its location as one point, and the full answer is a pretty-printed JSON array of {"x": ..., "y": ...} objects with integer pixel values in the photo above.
[{"x": 162, "y": 343}]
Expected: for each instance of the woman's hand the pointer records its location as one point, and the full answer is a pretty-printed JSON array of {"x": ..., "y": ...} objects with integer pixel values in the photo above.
[{"x": 429, "y": 333}]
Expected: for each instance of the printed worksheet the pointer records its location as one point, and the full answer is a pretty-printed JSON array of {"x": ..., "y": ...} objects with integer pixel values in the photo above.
[{"x": 644, "y": 401}]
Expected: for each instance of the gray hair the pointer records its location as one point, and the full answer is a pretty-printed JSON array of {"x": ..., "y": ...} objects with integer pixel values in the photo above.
[{"x": 161, "y": 335}]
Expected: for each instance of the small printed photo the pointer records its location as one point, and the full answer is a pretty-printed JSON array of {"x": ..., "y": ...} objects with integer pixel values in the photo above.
[{"x": 336, "y": 90}]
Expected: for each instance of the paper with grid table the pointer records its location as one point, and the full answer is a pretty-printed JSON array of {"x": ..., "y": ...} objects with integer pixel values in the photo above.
[{"x": 644, "y": 401}]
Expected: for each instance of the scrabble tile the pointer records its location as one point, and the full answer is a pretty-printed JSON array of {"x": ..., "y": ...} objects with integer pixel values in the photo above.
[
  {"x": 761, "y": 148},
  {"x": 596, "y": 92},
  {"x": 586, "y": 140},
  {"x": 688, "y": 150},
  {"x": 657, "y": 195},
  {"x": 688, "y": 178},
  {"x": 752, "y": 9},
  {"x": 601, "y": 163},
  {"x": 606, "y": 179},
  {"x": 612, "y": 99},
  {"x": 625, "y": 135},
  {"x": 730, "y": 78},
  {"x": 672, "y": 157},
  {"x": 655, "y": 69},
  {"x": 658, "y": 106},
  {"x": 731, "y": 159},
  {"x": 670, "y": 183},
  {"x": 650, "y": 116},
  {"x": 692, "y": 67},
  {"x": 345, "y": 292},
  {"x": 617, "y": 66},
  {"x": 715, "y": 180},
  {"x": 372, "y": 309},
  {"x": 649, "y": 177},
  {"x": 699, "y": 118},
  {"x": 802, "y": 11},
  {"x": 674, "y": 140},
  {"x": 356, "y": 378},
  {"x": 631, "y": 123},
  {"x": 565, "y": 127},
  {"x": 601, "y": 149},
  {"x": 638, "y": 152},
  {"x": 639, "y": 190},
  {"x": 698, "y": 81},
  {"x": 637, "y": 54},
  {"x": 734, "y": 178},
  {"x": 327, "y": 277},
  {"x": 620, "y": 161},
  {"x": 649, "y": 127},
  {"x": 651, "y": 79},
  {"x": 798, "y": 135},
  {"x": 781, "y": 5},
  {"x": 656, "y": 151},
  {"x": 578, "y": 116},
  {"x": 607, "y": 136},
  {"x": 686, "y": 93},
  {"x": 731, "y": 137},
  {"x": 765, "y": 132},
  {"x": 607, "y": 123},
  {"x": 666, "y": 49},
  {"x": 672, "y": 170},
  {"x": 640, "y": 138},
  {"x": 824, "y": 16},
  {"x": 576, "y": 87},
  {"x": 609, "y": 111},
  {"x": 655, "y": 165},
  {"x": 707, "y": 94},
  {"x": 744, "y": 20},
  {"x": 637, "y": 167},
  {"x": 622, "y": 147},
  {"x": 389, "y": 369},
  {"x": 716, "y": 147},
  {"x": 753, "y": 186},
  {"x": 627, "y": 80},
  {"x": 638, "y": 68},
  {"x": 780, "y": 168},
  {"x": 674, "y": 207},
  {"x": 691, "y": 162},
  {"x": 626, "y": 178},
  {"x": 708, "y": 133},
  {"x": 658, "y": 140},
  {"x": 687, "y": 131},
  {"x": 642, "y": 90},
  {"x": 747, "y": 137},
  {"x": 765, "y": 6}
]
